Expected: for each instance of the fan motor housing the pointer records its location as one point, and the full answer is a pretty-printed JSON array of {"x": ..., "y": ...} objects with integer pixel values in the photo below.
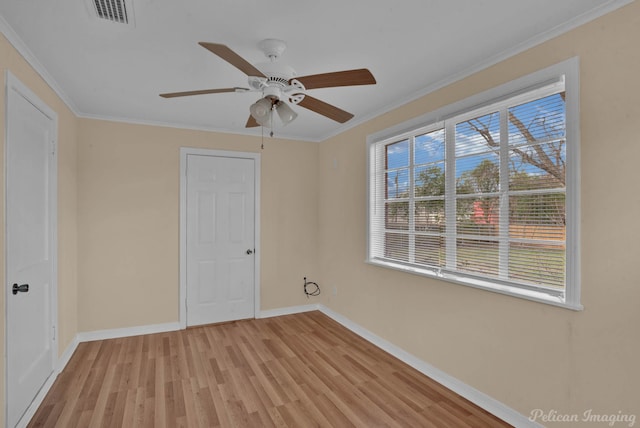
[
  {"x": 272, "y": 92},
  {"x": 277, "y": 72}
]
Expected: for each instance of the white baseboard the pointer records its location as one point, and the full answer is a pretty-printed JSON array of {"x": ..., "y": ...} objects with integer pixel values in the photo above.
[
  {"x": 33, "y": 407},
  {"x": 481, "y": 399},
  {"x": 67, "y": 354},
  {"x": 60, "y": 364},
  {"x": 127, "y": 331},
  {"x": 288, "y": 310},
  {"x": 63, "y": 360}
]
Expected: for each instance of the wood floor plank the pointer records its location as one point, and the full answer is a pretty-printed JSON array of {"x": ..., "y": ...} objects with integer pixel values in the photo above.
[
  {"x": 389, "y": 403},
  {"x": 289, "y": 371},
  {"x": 332, "y": 412}
]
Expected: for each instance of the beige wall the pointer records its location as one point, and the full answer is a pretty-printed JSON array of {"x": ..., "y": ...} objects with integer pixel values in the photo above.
[
  {"x": 118, "y": 236},
  {"x": 67, "y": 203},
  {"x": 527, "y": 355},
  {"x": 128, "y": 193}
]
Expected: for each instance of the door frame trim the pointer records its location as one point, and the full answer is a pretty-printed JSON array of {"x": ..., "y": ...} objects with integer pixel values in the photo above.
[
  {"x": 184, "y": 152},
  {"x": 12, "y": 83}
]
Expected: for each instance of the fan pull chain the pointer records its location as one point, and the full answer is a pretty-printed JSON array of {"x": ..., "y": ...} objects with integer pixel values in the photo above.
[{"x": 273, "y": 111}]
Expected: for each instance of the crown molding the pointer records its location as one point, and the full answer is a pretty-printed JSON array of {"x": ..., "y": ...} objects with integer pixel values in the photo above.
[
  {"x": 573, "y": 23},
  {"x": 19, "y": 45},
  {"x": 493, "y": 60}
]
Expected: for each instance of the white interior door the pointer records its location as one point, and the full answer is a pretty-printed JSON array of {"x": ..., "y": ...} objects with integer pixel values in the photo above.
[
  {"x": 220, "y": 247},
  {"x": 30, "y": 248}
]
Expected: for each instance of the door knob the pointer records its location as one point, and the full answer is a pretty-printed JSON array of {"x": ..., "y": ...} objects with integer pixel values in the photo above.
[
  {"x": 249, "y": 251},
  {"x": 21, "y": 288}
]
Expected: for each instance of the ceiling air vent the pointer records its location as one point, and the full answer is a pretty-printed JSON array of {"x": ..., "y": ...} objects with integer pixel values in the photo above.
[{"x": 117, "y": 11}]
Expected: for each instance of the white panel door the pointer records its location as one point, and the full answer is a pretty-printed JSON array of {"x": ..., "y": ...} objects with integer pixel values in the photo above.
[
  {"x": 30, "y": 250},
  {"x": 220, "y": 239}
]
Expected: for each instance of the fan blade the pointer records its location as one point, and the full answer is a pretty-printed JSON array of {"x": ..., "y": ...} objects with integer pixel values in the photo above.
[
  {"x": 360, "y": 76},
  {"x": 320, "y": 107},
  {"x": 202, "y": 92},
  {"x": 232, "y": 58},
  {"x": 251, "y": 122}
]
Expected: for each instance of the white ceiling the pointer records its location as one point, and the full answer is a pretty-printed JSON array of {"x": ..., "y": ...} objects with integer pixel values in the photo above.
[{"x": 113, "y": 71}]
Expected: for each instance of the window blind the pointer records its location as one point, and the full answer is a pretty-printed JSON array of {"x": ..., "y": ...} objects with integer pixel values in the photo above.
[{"x": 478, "y": 195}]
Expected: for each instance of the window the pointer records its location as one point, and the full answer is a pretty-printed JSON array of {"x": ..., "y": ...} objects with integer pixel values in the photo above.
[{"x": 486, "y": 196}]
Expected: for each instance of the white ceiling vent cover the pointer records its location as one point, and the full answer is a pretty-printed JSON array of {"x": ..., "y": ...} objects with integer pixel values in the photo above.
[{"x": 116, "y": 11}]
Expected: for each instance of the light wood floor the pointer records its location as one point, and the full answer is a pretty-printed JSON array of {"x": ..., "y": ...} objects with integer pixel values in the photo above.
[{"x": 300, "y": 370}]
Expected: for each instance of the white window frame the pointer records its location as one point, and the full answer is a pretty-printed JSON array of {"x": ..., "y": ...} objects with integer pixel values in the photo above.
[{"x": 567, "y": 72}]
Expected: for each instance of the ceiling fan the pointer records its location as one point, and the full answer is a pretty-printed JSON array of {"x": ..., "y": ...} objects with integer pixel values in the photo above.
[{"x": 280, "y": 87}]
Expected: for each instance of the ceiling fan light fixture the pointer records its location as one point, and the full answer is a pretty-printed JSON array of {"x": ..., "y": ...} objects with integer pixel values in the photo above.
[
  {"x": 286, "y": 113},
  {"x": 261, "y": 111}
]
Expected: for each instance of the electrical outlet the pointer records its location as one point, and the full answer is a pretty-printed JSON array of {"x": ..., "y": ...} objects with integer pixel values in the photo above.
[{"x": 334, "y": 291}]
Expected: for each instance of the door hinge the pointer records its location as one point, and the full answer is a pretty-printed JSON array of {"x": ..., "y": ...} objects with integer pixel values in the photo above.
[
  {"x": 53, "y": 147},
  {"x": 54, "y": 333}
]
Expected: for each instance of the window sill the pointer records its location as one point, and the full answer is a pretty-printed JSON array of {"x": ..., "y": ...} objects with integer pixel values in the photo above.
[{"x": 533, "y": 295}]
